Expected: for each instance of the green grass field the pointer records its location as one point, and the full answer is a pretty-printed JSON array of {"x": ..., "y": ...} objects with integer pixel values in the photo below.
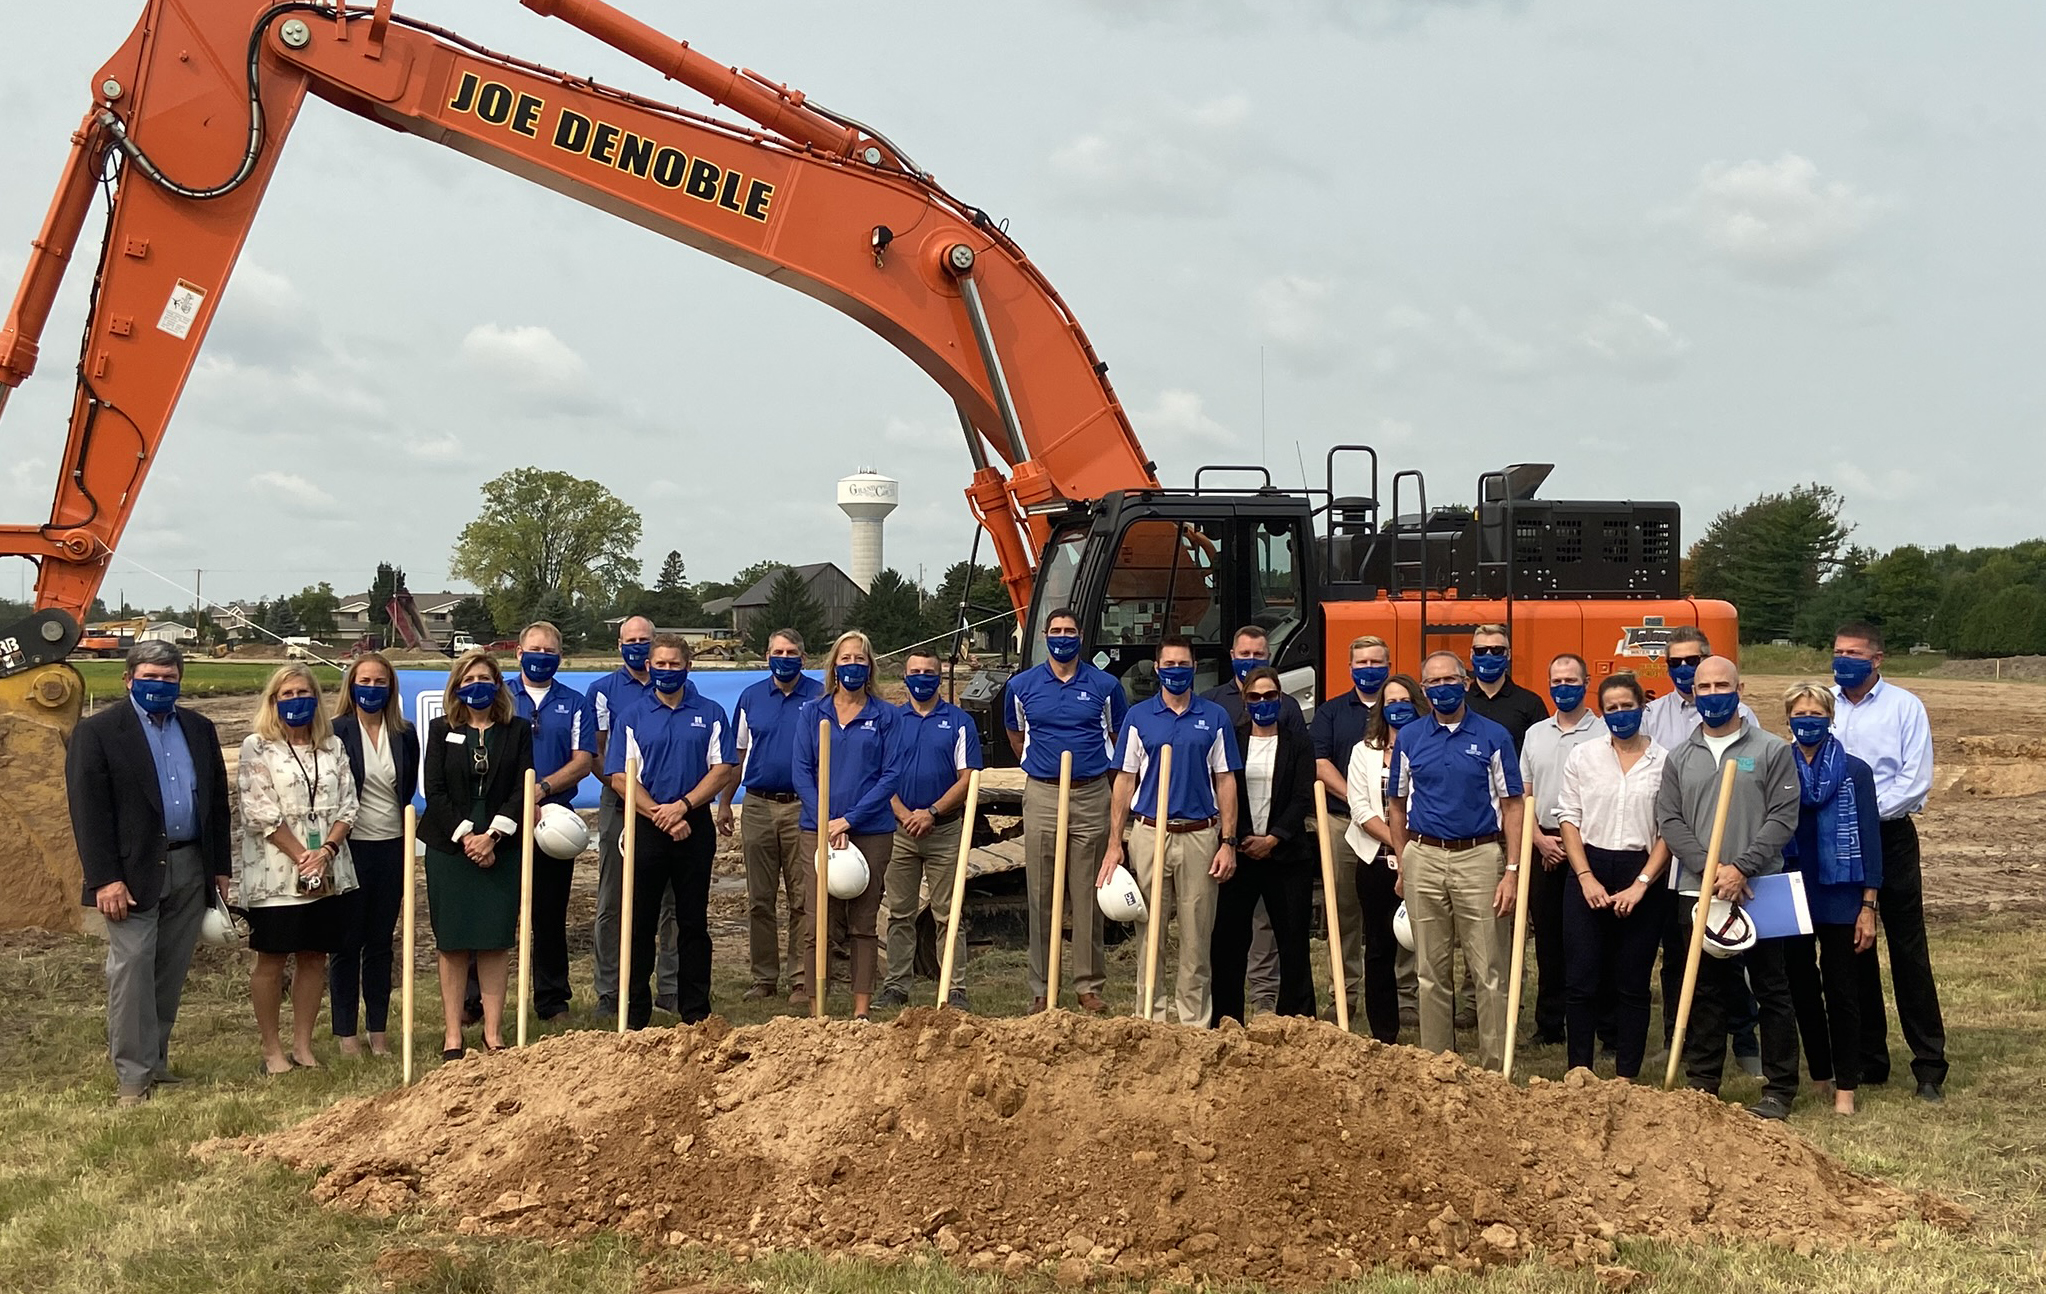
[
  {"x": 202, "y": 677},
  {"x": 1761, "y": 658},
  {"x": 92, "y": 1199}
]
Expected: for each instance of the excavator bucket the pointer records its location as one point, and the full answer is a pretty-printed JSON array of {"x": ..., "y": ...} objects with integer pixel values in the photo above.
[{"x": 40, "y": 878}]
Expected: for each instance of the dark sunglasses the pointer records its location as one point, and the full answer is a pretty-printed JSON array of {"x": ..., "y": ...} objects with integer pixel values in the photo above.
[
  {"x": 1261, "y": 696},
  {"x": 1488, "y": 651},
  {"x": 1674, "y": 661}
]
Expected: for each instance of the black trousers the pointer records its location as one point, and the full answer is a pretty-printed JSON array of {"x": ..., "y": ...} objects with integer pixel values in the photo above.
[
  {"x": 1676, "y": 946},
  {"x": 1545, "y": 922},
  {"x": 1609, "y": 961},
  {"x": 361, "y": 971},
  {"x": 1825, "y": 984},
  {"x": 1375, "y": 880},
  {"x": 662, "y": 864},
  {"x": 1721, "y": 998},
  {"x": 551, "y": 880},
  {"x": 1902, "y": 898},
  {"x": 1285, "y": 881}
]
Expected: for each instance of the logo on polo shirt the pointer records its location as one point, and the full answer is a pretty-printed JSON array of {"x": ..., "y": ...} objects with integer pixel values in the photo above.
[
  {"x": 1084, "y": 696},
  {"x": 1473, "y": 749},
  {"x": 696, "y": 721},
  {"x": 1202, "y": 724},
  {"x": 944, "y": 723}
]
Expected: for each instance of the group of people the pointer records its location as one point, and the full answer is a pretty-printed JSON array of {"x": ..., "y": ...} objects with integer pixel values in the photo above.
[{"x": 1423, "y": 778}]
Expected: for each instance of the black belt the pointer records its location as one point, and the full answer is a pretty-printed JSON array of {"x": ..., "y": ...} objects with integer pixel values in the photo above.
[
  {"x": 1180, "y": 826},
  {"x": 774, "y": 797},
  {"x": 182, "y": 844},
  {"x": 1078, "y": 781},
  {"x": 1457, "y": 846}
]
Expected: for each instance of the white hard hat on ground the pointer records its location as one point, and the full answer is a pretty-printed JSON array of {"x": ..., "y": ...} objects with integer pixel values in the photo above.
[
  {"x": 1122, "y": 899},
  {"x": 846, "y": 875},
  {"x": 560, "y": 832}
]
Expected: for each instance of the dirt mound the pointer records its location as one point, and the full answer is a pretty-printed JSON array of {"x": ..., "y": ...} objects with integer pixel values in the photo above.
[{"x": 1289, "y": 1152}]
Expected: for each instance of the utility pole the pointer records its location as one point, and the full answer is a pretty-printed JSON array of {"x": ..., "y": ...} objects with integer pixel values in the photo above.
[{"x": 198, "y": 608}]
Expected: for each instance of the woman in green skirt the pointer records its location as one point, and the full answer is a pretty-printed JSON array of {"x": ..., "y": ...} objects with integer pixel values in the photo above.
[{"x": 476, "y": 757}]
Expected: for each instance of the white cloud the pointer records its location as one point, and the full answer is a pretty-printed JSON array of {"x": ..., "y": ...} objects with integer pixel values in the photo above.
[
  {"x": 1633, "y": 341},
  {"x": 295, "y": 491},
  {"x": 526, "y": 357},
  {"x": 444, "y": 448},
  {"x": 1166, "y": 157},
  {"x": 1177, "y": 417},
  {"x": 1892, "y": 485},
  {"x": 1777, "y": 220}
]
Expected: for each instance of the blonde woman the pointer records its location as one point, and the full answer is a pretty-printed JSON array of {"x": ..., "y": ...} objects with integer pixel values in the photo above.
[
  {"x": 293, "y": 869},
  {"x": 860, "y": 813},
  {"x": 477, "y": 753},
  {"x": 383, "y": 759}
]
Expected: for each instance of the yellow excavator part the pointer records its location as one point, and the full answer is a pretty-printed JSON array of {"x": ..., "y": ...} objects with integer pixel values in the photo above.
[{"x": 39, "y": 874}]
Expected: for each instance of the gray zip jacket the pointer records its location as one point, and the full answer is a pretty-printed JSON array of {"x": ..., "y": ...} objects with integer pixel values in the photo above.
[{"x": 1761, "y": 814}]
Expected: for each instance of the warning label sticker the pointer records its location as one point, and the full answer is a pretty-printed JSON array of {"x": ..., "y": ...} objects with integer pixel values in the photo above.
[{"x": 181, "y": 309}]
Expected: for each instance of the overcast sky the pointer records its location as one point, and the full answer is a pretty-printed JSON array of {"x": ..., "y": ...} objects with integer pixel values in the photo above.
[{"x": 1688, "y": 251}]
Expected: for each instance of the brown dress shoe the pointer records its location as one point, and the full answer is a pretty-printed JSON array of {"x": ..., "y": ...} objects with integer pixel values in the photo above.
[
  {"x": 1037, "y": 1005},
  {"x": 1092, "y": 1002}
]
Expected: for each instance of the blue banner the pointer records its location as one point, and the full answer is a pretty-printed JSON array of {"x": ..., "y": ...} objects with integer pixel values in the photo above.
[{"x": 424, "y": 690}]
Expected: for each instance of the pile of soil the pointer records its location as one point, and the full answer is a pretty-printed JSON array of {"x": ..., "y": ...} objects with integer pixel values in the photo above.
[{"x": 1288, "y": 1152}]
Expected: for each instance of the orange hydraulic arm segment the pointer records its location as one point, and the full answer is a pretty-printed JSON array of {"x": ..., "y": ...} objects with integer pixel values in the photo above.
[{"x": 808, "y": 198}]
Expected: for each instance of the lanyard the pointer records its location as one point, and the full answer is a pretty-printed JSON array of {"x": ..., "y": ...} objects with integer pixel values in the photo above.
[{"x": 312, "y": 781}]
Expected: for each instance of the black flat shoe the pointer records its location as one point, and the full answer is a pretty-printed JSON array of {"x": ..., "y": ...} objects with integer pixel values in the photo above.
[{"x": 453, "y": 1053}]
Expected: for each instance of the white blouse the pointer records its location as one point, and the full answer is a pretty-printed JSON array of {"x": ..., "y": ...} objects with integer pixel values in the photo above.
[
  {"x": 299, "y": 788},
  {"x": 1611, "y": 809},
  {"x": 1367, "y": 797},
  {"x": 381, "y": 817},
  {"x": 1260, "y": 758}
]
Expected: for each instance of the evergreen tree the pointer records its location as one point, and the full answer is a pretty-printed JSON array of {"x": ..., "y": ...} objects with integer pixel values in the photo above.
[
  {"x": 891, "y": 613},
  {"x": 390, "y": 581},
  {"x": 790, "y": 605},
  {"x": 472, "y": 616},
  {"x": 1770, "y": 557},
  {"x": 281, "y": 620},
  {"x": 671, "y": 577}
]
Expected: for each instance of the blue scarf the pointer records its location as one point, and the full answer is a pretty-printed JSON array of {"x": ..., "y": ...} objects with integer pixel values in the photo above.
[{"x": 1823, "y": 784}]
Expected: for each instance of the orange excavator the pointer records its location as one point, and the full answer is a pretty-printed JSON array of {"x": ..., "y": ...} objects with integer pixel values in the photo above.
[{"x": 189, "y": 120}]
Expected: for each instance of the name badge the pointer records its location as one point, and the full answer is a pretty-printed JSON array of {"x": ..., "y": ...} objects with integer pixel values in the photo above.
[{"x": 458, "y": 739}]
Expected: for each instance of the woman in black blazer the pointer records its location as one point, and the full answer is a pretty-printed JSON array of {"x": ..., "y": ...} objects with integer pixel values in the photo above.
[
  {"x": 1276, "y": 858},
  {"x": 383, "y": 754},
  {"x": 476, "y": 757}
]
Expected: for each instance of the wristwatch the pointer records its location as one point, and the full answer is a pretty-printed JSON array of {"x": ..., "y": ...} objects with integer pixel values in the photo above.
[
  {"x": 1870, "y": 904},
  {"x": 1231, "y": 841},
  {"x": 542, "y": 788},
  {"x": 1644, "y": 879}
]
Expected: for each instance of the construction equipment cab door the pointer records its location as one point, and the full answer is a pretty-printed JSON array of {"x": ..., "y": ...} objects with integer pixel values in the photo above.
[{"x": 1169, "y": 576}]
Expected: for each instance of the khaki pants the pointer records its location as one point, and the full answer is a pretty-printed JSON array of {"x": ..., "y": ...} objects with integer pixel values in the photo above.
[
  {"x": 770, "y": 840},
  {"x": 1449, "y": 902},
  {"x": 913, "y": 860},
  {"x": 1086, "y": 841},
  {"x": 1190, "y": 897}
]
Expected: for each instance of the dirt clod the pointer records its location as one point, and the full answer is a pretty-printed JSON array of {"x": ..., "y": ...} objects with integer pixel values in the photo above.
[{"x": 1076, "y": 1147}]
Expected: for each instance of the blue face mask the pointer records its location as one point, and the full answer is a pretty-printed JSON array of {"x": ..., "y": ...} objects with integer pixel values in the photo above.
[
  {"x": 1265, "y": 713},
  {"x": 1810, "y": 729},
  {"x": 154, "y": 695},
  {"x": 480, "y": 695},
  {"x": 785, "y": 668},
  {"x": 1447, "y": 698},
  {"x": 1683, "y": 677},
  {"x": 1398, "y": 714},
  {"x": 1243, "y": 665},
  {"x": 1370, "y": 679},
  {"x": 853, "y": 677},
  {"x": 921, "y": 686},
  {"x": 1489, "y": 669},
  {"x": 298, "y": 711},
  {"x": 1716, "y": 708},
  {"x": 1624, "y": 723},
  {"x": 1567, "y": 696},
  {"x": 668, "y": 681},
  {"x": 370, "y": 698},
  {"x": 1176, "y": 679},
  {"x": 1063, "y": 647},
  {"x": 539, "y": 666},
  {"x": 636, "y": 655},
  {"x": 1851, "y": 672}
]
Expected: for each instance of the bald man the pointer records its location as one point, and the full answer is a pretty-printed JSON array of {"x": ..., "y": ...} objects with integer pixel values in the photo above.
[{"x": 1761, "y": 818}]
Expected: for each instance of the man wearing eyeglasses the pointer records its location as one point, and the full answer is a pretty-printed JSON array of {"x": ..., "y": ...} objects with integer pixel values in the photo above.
[{"x": 1670, "y": 719}]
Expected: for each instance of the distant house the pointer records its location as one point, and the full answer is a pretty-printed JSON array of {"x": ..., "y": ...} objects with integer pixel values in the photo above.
[
  {"x": 720, "y": 610},
  {"x": 235, "y": 619},
  {"x": 167, "y": 631},
  {"x": 832, "y": 587},
  {"x": 436, "y": 611}
]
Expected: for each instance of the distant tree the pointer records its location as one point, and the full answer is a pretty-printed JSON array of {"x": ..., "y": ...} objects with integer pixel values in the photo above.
[
  {"x": 1770, "y": 557},
  {"x": 789, "y": 605},
  {"x": 314, "y": 607},
  {"x": 390, "y": 581},
  {"x": 542, "y": 532},
  {"x": 671, "y": 576},
  {"x": 281, "y": 620},
  {"x": 941, "y": 609},
  {"x": 891, "y": 612},
  {"x": 98, "y": 610},
  {"x": 747, "y": 578},
  {"x": 575, "y": 622},
  {"x": 472, "y": 616}
]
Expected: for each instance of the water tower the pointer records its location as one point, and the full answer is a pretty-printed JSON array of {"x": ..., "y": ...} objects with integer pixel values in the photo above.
[{"x": 867, "y": 497}]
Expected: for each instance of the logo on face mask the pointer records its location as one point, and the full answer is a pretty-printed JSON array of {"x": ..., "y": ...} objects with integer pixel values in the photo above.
[
  {"x": 1243, "y": 665},
  {"x": 477, "y": 696},
  {"x": 1623, "y": 723},
  {"x": 1717, "y": 708},
  {"x": 1176, "y": 679},
  {"x": 1447, "y": 698},
  {"x": 1851, "y": 672},
  {"x": 636, "y": 655},
  {"x": 1489, "y": 669},
  {"x": 1063, "y": 647}
]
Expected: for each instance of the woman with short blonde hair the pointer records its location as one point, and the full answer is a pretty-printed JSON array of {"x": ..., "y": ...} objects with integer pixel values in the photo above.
[{"x": 293, "y": 870}]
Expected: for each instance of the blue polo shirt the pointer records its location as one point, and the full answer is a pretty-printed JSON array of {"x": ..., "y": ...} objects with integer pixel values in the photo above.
[
  {"x": 767, "y": 733},
  {"x": 615, "y": 693},
  {"x": 1454, "y": 778},
  {"x": 174, "y": 773},
  {"x": 1081, "y": 715},
  {"x": 1203, "y": 743},
  {"x": 564, "y": 722},
  {"x": 862, "y": 782},
  {"x": 929, "y": 751},
  {"x": 676, "y": 746},
  {"x": 1338, "y": 726}
]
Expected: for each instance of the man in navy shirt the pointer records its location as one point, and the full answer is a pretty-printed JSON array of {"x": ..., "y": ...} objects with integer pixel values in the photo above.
[
  {"x": 612, "y": 695},
  {"x": 564, "y": 753},
  {"x": 769, "y": 832},
  {"x": 1339, "y": 724},
  {"x": 685, "y": 750},
  {"x": 1065, "y": 704},
  {"x": 934, "y": 748},
  {"x": 1453, "y": 800},
  {"x": 1200, "y": 825}
]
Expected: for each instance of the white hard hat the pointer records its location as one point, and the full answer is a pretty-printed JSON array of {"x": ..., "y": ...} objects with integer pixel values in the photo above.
[
  {"x": 222, "y": 926},
  {"x": 560, "y": 832},
  {"x": 845, "y": 873},
  {"x": 1403, "y": 927},
  {"x": 1122, "y": 899},
  {"x": 1728, "y": 932}
]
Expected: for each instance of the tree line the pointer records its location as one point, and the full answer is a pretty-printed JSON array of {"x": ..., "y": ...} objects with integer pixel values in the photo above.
[{"x": 1787, "y": 564}]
